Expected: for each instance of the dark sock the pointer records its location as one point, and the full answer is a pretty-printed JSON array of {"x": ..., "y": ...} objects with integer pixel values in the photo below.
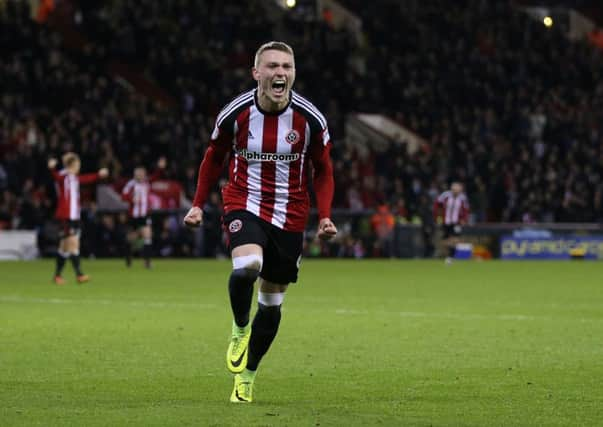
[
  {"x": 146, "y": 253},
  {"x": 240, "y": 288},
  {"x": 75, "y": 261},
  {"x": 451, "y": 251},
  {"x": 60, "y": 264},
  {"x": 263, "y": 330},
  {"x": 128, "y": 253}
]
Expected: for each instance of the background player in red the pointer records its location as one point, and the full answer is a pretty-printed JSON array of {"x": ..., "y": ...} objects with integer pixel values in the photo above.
[
  {"x": 451, "y": 209},
  {"x": 272, "y": 135},
  {"x": 68, "y": 182},
  {"x": 136, "y": 192}
]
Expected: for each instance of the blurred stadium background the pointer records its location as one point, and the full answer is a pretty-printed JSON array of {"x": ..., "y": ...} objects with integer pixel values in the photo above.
[{"x": 506, "y": 96}]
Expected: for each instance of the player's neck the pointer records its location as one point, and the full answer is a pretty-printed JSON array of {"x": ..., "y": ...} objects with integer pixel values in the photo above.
[{"x": 270, "y": 106}]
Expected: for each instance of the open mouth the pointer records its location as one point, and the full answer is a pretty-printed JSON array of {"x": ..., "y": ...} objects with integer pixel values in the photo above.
[{"x": 278, "y": 87}]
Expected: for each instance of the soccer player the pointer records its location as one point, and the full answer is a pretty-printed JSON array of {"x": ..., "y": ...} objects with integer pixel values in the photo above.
[
  {"x": 272, "y": 135},
  {"x": 451, "y": 209},
  {"x": 136, "y": 192},
  {"x": 68, "y": 182}
]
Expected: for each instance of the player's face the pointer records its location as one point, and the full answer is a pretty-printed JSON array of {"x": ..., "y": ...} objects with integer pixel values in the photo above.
[
  {"x": 140, "y": 174},
  {"x": 74, "y": 167},
  {"x": 275, "y": 75},
  {"x": 456, "y": 188}
]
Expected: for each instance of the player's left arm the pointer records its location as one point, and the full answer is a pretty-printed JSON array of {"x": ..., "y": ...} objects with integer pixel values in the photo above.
[
  {"x": 91, "y": 178},
  {"x": 324, "y": 184}
]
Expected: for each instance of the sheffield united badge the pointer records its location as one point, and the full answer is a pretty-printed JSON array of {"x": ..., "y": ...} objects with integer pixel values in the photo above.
[
  {"x": 292, "y": 137},
  {"x": 235, "y": 226}
]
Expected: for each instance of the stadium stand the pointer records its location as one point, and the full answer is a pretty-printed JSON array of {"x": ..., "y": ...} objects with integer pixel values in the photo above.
[{"x": 485, "y": 85}]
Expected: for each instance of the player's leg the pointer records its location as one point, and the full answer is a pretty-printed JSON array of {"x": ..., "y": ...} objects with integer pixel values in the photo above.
[
  {"x": 454, "y": 240},
  {"x": 247, "y": 239},
  {"x": 263, "y": 331},
  {"x": 447, "y": 242},
  {"x": 62, "y": 256},
  {"x": 246, "y": 267},
  {"x": 266, "y": 321},
  {"x": 247, "y": 262},
  {"x": 282, "y": 257},
  {"x": 73, "y": 244},
  {"x": 75, "y": 259},
  {"x": 147, "y": 238},
  {"x": 128, "y": 241},
  {"x": 451, "y": 243}
]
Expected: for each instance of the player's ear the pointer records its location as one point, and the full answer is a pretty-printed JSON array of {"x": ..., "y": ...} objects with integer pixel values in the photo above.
[{"x": 255, "y": 74}]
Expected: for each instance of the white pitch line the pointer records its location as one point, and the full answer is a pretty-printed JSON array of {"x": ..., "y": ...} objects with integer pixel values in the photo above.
[
  {"x": 346, "y": 312},
  {"x": 152, "y": 304},
  {"x": 465, "y": 316}
]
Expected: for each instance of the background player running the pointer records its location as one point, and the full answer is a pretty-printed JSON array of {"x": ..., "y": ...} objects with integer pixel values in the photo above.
[
  {"x": 451, "y": 209},
  {"x": 272, "y": 135},
  {"x": 68, "y": 182},
  {"x": 136, "y": 192}
]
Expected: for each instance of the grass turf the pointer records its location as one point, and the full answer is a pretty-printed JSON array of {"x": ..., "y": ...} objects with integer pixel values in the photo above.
[{"x": 361, "y": 343}]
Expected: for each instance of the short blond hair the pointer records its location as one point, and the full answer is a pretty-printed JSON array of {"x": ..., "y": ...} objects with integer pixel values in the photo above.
[
  {"x": 273, "y": 45},
  {"x": 70, "y": 158}
]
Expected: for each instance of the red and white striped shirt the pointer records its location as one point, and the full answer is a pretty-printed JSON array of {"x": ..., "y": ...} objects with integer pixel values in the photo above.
[
  {"x": 68, "y": 193},
  {"x": 269, "y": 157},
  {"x": 455, "y": 208},
  {"x": 137, "y": 193}
]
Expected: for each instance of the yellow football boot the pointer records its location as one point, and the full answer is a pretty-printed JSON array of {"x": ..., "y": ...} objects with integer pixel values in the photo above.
[
  {"x": 243, "y": 388},
  {"x": 236, "y": 356}
]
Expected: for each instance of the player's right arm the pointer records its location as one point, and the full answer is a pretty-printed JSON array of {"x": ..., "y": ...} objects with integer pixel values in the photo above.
[
  {"x": 324, "y": 183},
  {"x": 52, "y": 166},
  {"x": 127, "y": 193},
  {"x": 209, "y": 173}
]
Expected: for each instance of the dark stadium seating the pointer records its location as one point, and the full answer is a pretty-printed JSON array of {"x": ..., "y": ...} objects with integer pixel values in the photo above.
[{"x": 508, "y": 106}]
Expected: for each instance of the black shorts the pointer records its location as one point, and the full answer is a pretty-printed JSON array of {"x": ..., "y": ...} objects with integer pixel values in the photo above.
[
  {"x": 282, "y": 249},
  {"x": 69, "y": 227},
  {"x": 141, "y": 221},
  {"x": 452, "y": 230}
]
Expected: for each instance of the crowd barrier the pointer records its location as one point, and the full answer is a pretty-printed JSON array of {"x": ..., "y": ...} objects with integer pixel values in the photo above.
[
  {"x": 18, "y": 245},
  {"x": 508, "y": 241}
]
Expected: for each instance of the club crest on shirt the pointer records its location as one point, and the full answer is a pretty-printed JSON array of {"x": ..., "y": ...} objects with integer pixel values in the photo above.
[
  {"x": 292, "y": 137},
  {"x": 235, "y": 225}
]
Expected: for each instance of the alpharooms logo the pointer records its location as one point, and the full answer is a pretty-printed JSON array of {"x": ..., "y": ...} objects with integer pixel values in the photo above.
[{"x": 268, "y": 157}]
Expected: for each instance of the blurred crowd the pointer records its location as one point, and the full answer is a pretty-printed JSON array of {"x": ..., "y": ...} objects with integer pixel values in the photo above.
[{"x": 508, "y": 106}]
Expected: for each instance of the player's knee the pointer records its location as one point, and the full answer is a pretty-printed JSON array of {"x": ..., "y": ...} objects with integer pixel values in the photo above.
[
  {"x": 248, "y": 262},
  {"x": 270, "y": 303},
  {"x": 71, "y": 245},
  {"x": 243, "y": 276}
]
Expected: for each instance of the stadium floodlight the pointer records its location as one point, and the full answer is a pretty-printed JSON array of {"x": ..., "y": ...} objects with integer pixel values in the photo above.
[
  {"x": 291, "y": 3},
  {"x": 547, "y": 21}
]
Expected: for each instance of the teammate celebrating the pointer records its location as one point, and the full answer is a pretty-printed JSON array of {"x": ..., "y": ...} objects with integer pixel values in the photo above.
[
  {"x": 272, "y": 134},
  {"x": 451, "y": 209},
  {"x": 68, "y": 182},
  {"x": 136, "y": 192}
]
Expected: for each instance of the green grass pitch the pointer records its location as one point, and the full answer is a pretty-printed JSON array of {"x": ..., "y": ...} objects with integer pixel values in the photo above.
[{"x": 361, "y": 343}]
